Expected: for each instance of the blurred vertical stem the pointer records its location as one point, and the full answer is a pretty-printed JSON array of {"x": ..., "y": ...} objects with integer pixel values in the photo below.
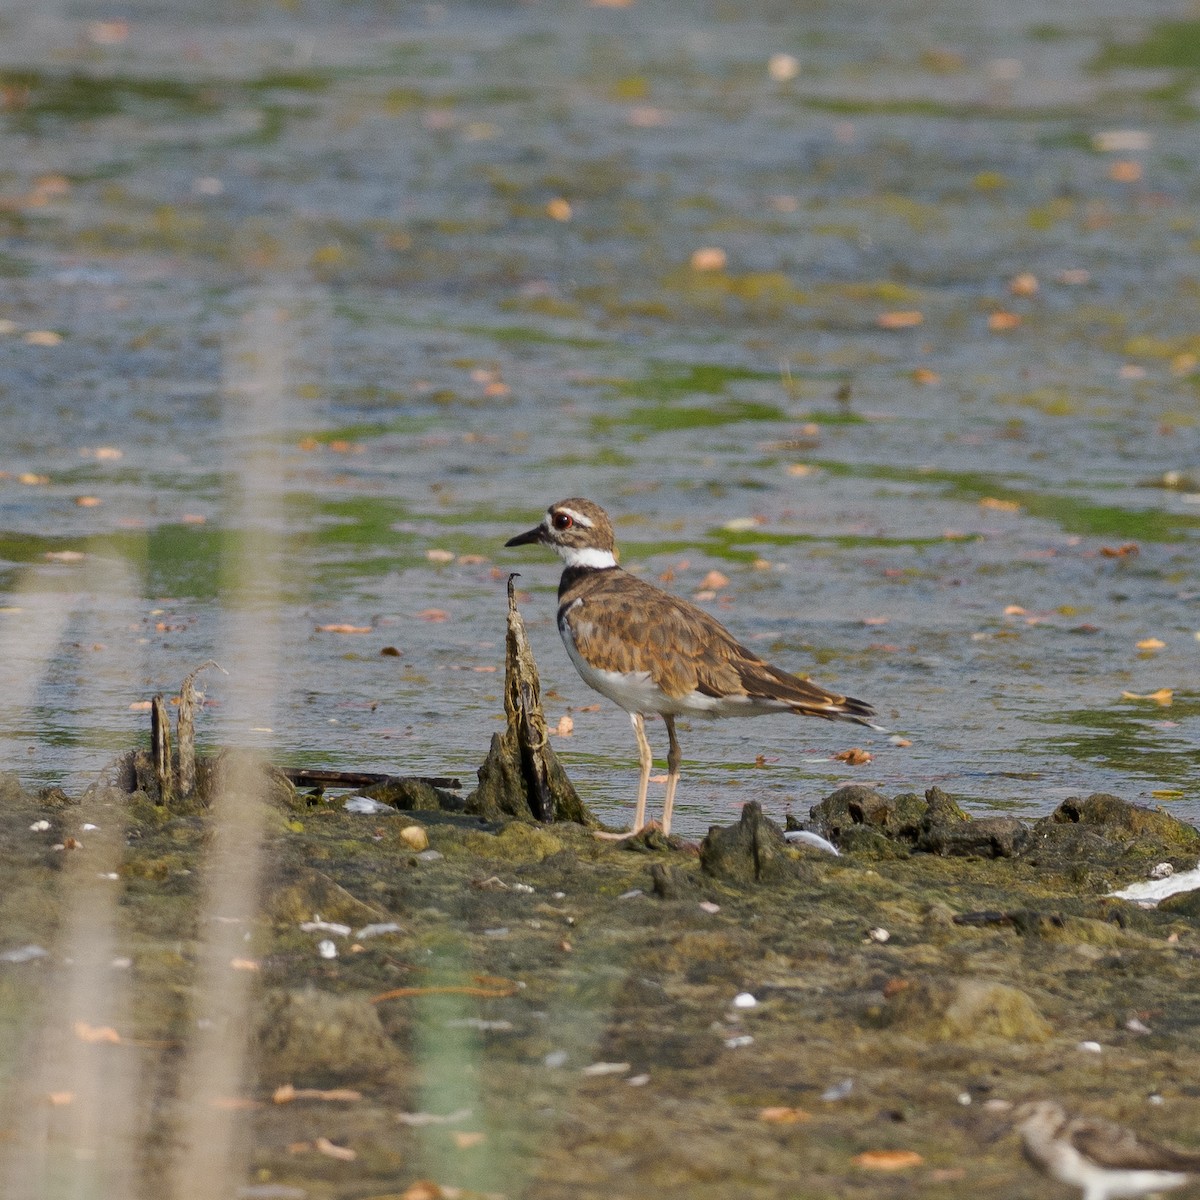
[{"x": 210, "y": 1163}]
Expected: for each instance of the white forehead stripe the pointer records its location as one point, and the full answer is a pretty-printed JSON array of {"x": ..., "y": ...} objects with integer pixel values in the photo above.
[{"x": 578, "y": 518}]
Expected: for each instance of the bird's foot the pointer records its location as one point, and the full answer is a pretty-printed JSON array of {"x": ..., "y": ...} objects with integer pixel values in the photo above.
[{"x": 605, "y": 835}]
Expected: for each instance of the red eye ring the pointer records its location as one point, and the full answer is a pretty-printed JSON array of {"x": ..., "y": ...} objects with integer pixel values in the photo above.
[{"x": 561, "y": 522}]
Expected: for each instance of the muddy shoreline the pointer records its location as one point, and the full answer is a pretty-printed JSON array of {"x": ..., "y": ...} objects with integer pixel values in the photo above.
[{"x": 521, "y": 1009}]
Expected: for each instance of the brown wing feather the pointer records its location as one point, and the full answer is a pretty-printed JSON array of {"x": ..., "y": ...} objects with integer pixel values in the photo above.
[
  {"x": 1114, "y": 1146},
  {"x": 642, "y": 628}
]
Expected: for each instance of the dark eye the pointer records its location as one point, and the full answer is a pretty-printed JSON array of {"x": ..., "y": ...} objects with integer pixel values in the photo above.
[{"x": 561, "y": 522}]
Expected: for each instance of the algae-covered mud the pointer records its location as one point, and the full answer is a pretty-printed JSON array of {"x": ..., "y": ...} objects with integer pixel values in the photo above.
[
  {"x": 428, "y": 1004},
  {"x": 885, "y": 315}
]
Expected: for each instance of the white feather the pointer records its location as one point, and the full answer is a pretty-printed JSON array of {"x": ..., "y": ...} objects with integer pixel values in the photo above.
[{"x": 586, "y": 556}]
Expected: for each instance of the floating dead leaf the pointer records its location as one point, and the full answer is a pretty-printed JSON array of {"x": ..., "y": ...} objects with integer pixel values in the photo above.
[
  {"x": 1125, "y": 550},
  {"x": 107, "y": 33},
  {"x": 1013, "y": 610},
  {"x": 559, "y": 209},
  {"x": 1116, "y": 141},
  {"x": 338, "y": 628},
  {"x": 903, "y": 319},
  {"x": 1025, "y": 284},
  {"x": 425, "y": 1189},
  {"x": 800, "y": 470},
  {"x": 464, "y": 1139},
  {"x": 1132, "y": 371},
  {"x": 141, "y": 706},
  {"x": 783, "y": 1115},
  {"x": 440, "y": 556},
  {"x": 874, "y": 621},
  {"x": 42, "y": 337},
  {"x": 433, "y": 614},
  {"x": 897, "y": 740},
  {"x": 565, "y": 726},
  {"x": 471, "y": 560},
  {"x": 194, "y": 519},
  {"x": 926, "y": 377},
  {"x": 1002, "y": 322},
  {"x": 709, "y": 258},
  {"x": 88, "y": 501},
  {"x": 854, "y": 757},
  {"x": 108, "y": 453},
  {"x": 32, "y": 479},
  {"x": 783, "y": 67},
  {"x": 894, "y": 987},
  {"x": 60, "y": 1099},
  {"x": 1125, "y": 170},
  {"x": 714, "y": 581},
  {"x": 1164, "y": 696},
  {"x": 342, "y": 1153},
  {"x": 996, "y": 505},
  {"x": 243, "y": 964},
  {"x": 93, "y": 1034},
  {"x": 888, "y": 1160},
  {"x": 1151, "y": 643},
  {"x": 761, "y": 564}
]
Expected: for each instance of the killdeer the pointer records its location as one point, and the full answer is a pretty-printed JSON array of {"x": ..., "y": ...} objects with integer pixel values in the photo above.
[
  {"x": 651, "y": 652},
  {"x": 1104, "y": 1159}
]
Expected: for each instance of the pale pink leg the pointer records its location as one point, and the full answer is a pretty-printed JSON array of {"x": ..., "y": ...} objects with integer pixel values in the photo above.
[
  {"x": 645, "y": 761},
  {"x": 673, "y": 759}
]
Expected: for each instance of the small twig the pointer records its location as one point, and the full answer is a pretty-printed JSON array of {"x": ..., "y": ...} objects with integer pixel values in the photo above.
[
  {"x": 486, "y": 986},
  {"x": 319, "y": 777}
]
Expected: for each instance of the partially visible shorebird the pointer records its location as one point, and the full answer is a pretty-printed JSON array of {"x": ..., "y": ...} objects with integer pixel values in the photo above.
[
  {"x": 651, "y": 652},
  {"x": 1106, "y": 1160}
]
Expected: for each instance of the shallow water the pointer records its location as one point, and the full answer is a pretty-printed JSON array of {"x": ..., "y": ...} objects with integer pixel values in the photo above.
[{"x": 317, "y": 322}]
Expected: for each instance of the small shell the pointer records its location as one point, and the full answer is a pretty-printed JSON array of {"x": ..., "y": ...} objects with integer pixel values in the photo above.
[{"x": 415, "y": 838}]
